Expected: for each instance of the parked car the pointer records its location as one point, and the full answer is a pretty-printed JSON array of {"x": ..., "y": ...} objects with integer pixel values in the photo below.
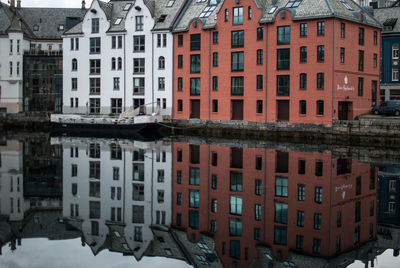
[{"x": 388, "y": 107}]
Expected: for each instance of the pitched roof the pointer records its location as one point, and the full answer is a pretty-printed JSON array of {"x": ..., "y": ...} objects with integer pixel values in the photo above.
[
  {"x": 311, "y": 9},
  {"x": 165, "y": 15},
  {"x": 386, "y": 14}
]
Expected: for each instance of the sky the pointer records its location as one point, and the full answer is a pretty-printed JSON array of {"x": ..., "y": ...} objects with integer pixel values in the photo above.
[{"x": 52, "y": 3}]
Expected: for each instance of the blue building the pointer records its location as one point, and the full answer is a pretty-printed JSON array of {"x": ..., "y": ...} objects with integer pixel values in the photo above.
[
  {"x": 389, "y": 195},
  {"x": 390, "y": 83}
]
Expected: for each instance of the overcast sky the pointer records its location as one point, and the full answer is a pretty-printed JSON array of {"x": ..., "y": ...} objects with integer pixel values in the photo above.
[{"x": 52, "y": 3}]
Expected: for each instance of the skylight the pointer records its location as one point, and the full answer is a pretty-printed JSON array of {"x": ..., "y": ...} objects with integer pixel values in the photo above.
[
  {"x": 346, "y": 5},
  {"x": 200, "y": 1},
  {"x": 162, "y": 18},
  {"x": 170, "y": 3},
  {"x": 118, "y": 21},
  {"x": 272, "y": 10},
  {"x": 293, "y": 3},
  {"x": 207, "y": 11},
  {"x": 127, "y": 6}
]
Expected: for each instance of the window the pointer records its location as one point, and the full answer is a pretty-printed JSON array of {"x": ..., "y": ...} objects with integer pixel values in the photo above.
[
  {"x": 303, "y": 29},
  {"x": 283, "y": 35},
  {"x": 236, "y": 181},
  {"x": 194, "y": 86},
  {"x": 356, "y": 234},
  {"x": 283, "y": 59},
  {"x": 339, "y": 219},
  {"x": 119, "y": 63},
  {"x": 283, "y": 85},
  {"x": 161, "y": 83},
  {"x": 316, "y": 246},
  {"x": 180, "y": 106},
  {"x": 95, "y": 45},
  {"x": 138, "y": 43},
  {"x": 237, "y": 39},
  {"x": 375, "y": 60},
  {"x": 249, "y": 13},
  {"x": 320, "y": 107},
  {"x": 237, "y": 15},
  {"x": 357, "y": 212},
  {"x": 214, "y": 180},
  {"x": 360, "y": 86},
  {"x": 375, "y": 38},
  {"x": 164, "y": 40},
  {"x": 215, "y": 83},
  {"x": 281, "y": 210},
  {"x": 320, "y": 80},
  {"x": 159, "y": 37},
  {"x": 281, "y": 186},
  {"x": 303, "y": 54},
  {"x": 395, "y": 51},
  {"x": 259, "y": 56},
  {"x": 194, "y": 176},
  {"x": 321, "y": 28},
  {"x": 138, "y": 86},
  {"x": 74, "y": 64},
  {"x": 215, "y": 37},
  {"x": 194, "y": 198},
  {"x": 257, "y": 212},
  {"x": 302, "y": 107},
  {"x": 95, "y": 66},
  {"x": 94, "y": 86},
  {"x": 226, "y": 15},
  {"x": 214, "y": 159},
  {"x": 215, "y": 106},
  {"x": 138, "y": 65},
  {"x": 113, "y": 63},
  {"x": 258, "y": 184},
  {"x": 116, "y": 83},
  {"x": 180, "y": 61},
  {"x": 395, "y": 74},
  {"x": 161, "y": 63},
  {"x": 303, "y": 81},
  {"x": 260, "y": 33},
  {"x": 95, "y": 25},
  {"x": 195, "y": 42},
  {"x": 301, "y": 192},
  {"x": 299, "y": 241},
  {"x": 318, "y": 195},
  {"x": 257, "y": 234},
  {"x": 361, "y": 36},
  {"x": 237, "y": 86},
  {"x": 139, "y": 23},
  {"x": 317, "y": 221},
  {"x": 259, "y": 82},
  {"x": 180, "y": 83},
  {"x": 180, "y": 40},
  {"x": 358, "y": 185},
  {"x": 194, "y": 63},
  {"x": 215, "y": 59},
  {"x": 320, "y": 53},
  {"x": 113, "y": 42},
  {"x": 235, "y": 205},
  {"x": 342, "y": 54},
  {"x": 280, "y": 234},
  {"x": 214, "y": 205},
  {"x": 74, "y": 83},
  {"x": 115, "y": 173},
  {"x": 300, "y": 218},
  {"x": 342, "y": 30},
  {"x": 235, "y": 249},
  {"x": 361, "y": 60},
  {"x": 259, "y": 106},
  {"x": 237, "y": 61}
]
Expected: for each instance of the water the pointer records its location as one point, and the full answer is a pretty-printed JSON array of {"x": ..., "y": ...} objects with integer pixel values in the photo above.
[{"x": 90, "y": 202}]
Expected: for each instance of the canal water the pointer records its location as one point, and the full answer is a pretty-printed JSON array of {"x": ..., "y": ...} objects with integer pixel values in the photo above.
[{"x": 182, "y": 202}]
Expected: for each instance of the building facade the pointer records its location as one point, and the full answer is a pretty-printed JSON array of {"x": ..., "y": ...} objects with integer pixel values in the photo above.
[{"x": 293, "y": 66}]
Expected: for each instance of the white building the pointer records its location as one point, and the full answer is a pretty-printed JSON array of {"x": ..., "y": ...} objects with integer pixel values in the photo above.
[
  {"x": 120, "y": 57},
  {"x": 116, "y": 188}
]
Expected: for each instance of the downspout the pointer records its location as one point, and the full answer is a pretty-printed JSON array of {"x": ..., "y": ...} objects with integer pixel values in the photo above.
[
  {"x": 152, "y": 73},
  {"x": 209, "y": 75},
  {"x": 173, "y": 76},
  {"x": 124, "y": 73},
  {"x": 124, "y": 195},
  {"x": 333, "y": 73},
  {"x": 266, "y": 73}
]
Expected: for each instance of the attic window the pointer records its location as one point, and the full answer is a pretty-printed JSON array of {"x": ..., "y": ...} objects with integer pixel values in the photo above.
[
  {"x": 346, "y": 5},
  {"x": 170, "y": 3},
  {"x": 162, "y": 18},
  {"x": 118, "y": 21},
  {"x": 390, "y": 22},
  {"x": 127, "y": 6},
  {"x": 36, "y": 28},
  {"x": 200, "y": 1},
  {"x": 207, "y": 11},
  {"x": 293, "y": 3},
  {"x": 61, "y": 27},
  {"x": 272, "y": 10}
]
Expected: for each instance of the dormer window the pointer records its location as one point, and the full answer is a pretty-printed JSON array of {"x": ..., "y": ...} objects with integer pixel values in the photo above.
[
  {"x": 61, "y": 27},
  {"x": 272, "y": 10},
  {"x": 170, "y": 3},
  {"x": 162, "y": 18},
  {"x": 213, "y": 3},
  {"x": 346, "y": 5},
  {"x": 293, "y": 3},
  {"x": 127, "y": 7},
  {"x": 118, "y": 21},
  {"x": 35, "y": 28}
]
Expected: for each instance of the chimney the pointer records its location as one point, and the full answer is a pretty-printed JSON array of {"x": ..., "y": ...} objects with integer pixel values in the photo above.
[
  {"x": 83, "y": 4},
  {"x": 18, "y": 3},
  {"x": 12, "y": 3}
]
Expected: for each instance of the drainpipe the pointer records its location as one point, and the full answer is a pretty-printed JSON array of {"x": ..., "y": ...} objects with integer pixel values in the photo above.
[
  {"x": 266, "y": 73},
  {"x": 333, "y": 73},
  {"x": 124, "y": 73},
  {"x": 209, "y": 75},
  {"x": 152, "y": 73}
]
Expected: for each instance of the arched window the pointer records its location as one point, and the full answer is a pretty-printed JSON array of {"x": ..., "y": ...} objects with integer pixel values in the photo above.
[
  {"x": 226, "y": 14},
  {"x": 113, "y": 64},
  {"x": 161, "y": 62},
  {"x": 119, "y": 63},
  {"x": 395, "y": 51},
  {"x": 74, "y": 64}
]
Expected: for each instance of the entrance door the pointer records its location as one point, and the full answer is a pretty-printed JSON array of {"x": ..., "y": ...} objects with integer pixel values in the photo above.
[
  {"x": 237, "y": 110},
  {"x": 343, "y": 110},
  {"x": 195, "y": 109},
  {"x": 283, "y": 110}
]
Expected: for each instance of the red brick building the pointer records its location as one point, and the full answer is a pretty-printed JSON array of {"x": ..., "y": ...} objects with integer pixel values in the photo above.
[
  {"x": 306, "y": 202},
  {"x": 275, "y": 61}
]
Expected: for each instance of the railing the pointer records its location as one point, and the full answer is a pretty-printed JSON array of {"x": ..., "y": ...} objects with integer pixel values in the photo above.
[{"x": 39, "y": 52}]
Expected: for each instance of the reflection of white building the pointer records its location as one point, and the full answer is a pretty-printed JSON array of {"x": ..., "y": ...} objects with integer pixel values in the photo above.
[
  {"x": 12, "y": 203},
  {"x": 115, "y": 191}
]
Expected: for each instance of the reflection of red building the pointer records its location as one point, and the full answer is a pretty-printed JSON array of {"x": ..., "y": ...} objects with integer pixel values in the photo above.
[
  {"x": 287, "y": 200},
  {"x": 272, "y": 61}
]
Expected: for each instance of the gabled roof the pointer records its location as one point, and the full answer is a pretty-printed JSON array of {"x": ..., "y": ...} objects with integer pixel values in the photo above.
[
  {"x": 165, "y": 15},
  {"x": 311, "y": 9},
  {"x": 389, "y": 17},
  {"x": 118, "y": 14}
]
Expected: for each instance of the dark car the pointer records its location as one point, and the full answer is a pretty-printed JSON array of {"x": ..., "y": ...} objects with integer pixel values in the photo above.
[{"x": 388, "y": 107}]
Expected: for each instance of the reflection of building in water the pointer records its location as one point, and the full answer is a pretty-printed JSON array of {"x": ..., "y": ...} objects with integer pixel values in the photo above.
[
  {"x": 291, "y": 202},
  {"x": 118, "y": 193}
]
